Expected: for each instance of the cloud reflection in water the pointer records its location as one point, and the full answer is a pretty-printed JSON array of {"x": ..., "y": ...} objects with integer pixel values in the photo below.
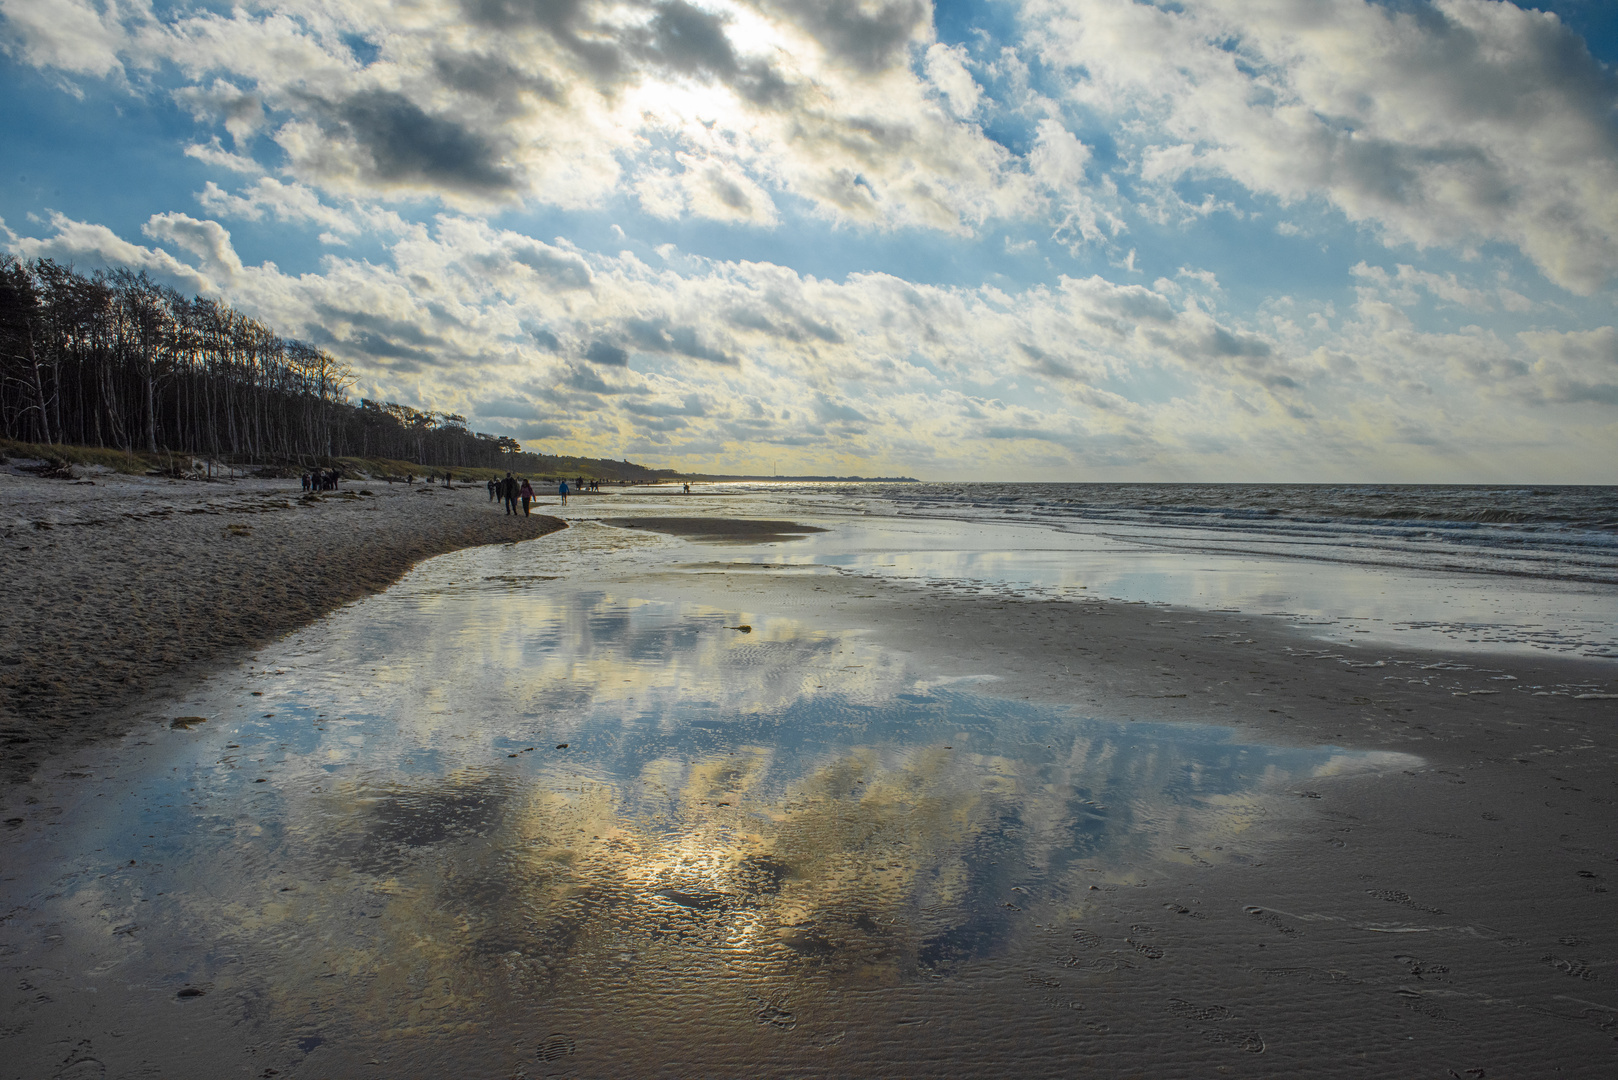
[{"x": 736, "y": 821}]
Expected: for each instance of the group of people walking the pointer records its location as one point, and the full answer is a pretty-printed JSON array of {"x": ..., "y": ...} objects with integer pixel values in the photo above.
[
  {"x": 321, "y": 480},
  {"x": 514, "y": 492}
]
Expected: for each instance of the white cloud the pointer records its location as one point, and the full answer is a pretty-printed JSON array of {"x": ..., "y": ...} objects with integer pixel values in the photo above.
[
  {"x": 207, "y": 240},
  {"x": 90, "y": 246},
  {"x": 283, "y": 202},
  {"x": 68, "y": 35},
  {"x": 706, "y": 187},
  {"x": 1466, "y": 122},
  {"x": 947, "y": 68},
  {"x": 808, "y": 119},
  {"x": 1576, "y": 366},
  {"x": 212, "y": 153}
]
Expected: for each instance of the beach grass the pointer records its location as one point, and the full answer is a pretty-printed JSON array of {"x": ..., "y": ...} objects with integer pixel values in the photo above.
[{"x": 178, "y": 463}]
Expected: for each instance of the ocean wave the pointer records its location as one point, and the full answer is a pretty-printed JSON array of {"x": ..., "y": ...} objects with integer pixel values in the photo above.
[{"x": 1568, "y": 533}]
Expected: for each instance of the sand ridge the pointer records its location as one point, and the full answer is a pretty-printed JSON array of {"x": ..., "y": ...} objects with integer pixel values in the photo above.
[{"x": 120, "y": 587}]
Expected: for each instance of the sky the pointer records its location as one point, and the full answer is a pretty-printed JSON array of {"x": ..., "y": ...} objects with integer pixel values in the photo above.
[{"x": 1068, "y": 240}]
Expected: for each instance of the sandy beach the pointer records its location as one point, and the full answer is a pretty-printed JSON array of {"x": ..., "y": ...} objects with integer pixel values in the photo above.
[
  {"x": 648, "y": 801},
  {"x": 120, "y": 587}
]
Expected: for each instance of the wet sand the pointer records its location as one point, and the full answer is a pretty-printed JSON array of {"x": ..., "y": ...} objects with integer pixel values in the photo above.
[
  {"x": 581, "y": 824},
  {"x": 122, "y": 588},
  {"x": 718, "y": 529}
]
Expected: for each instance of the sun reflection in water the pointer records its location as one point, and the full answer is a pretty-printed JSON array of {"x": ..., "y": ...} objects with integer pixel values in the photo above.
[{"x": 566, "y": 803}]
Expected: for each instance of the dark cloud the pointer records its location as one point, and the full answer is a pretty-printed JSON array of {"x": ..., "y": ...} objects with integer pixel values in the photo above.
[
  {"x": 832, "y": 410},
  {"x": 378, "y": 324},
  {"x": 561, "y": 268},
  {"x": 373, "y": 344},
  {"x": 662, "y": 336},
  {"x": 377, "y": 336},
  {"x": 492, "y": 79},
  {"x": 1047, "y": 365},
  {"x": 693, "y": 405},
  {"x": 607, "y": 354},
  {"x": 868, "y": 35},
  {"x": 509, "y": 408},
  {"x": 563, "y": 20},
  {"x": 690, "y": 41},
  {"x": 541, "y": 430},
  {"x": 1580, "y": 391},
  {"x": 801, "y": 327},
  {"x": 1225, "y": 343},
  {"x": 679, "y": 38},
  {"x": 408, "y": 146},
  {"x": 1004, "y": 431},
  {"x": 544, "y": 338},
  {"x": 693, "y": 42},
  {"x": 731, "y": 193},
  {"x": 588, "y": 380}
]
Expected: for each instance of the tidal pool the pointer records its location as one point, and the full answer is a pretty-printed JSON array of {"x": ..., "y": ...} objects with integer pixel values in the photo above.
[{"x": 501, "y": 822}]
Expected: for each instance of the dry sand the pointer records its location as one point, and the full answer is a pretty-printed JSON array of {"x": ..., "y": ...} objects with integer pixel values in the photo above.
[{"x": 118, "y": 587}]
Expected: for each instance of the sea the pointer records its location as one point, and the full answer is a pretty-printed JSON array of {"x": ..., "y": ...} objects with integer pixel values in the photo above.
[
  {"x": 1470, "y": 567},
  {"x": 1557, "y": 533}
]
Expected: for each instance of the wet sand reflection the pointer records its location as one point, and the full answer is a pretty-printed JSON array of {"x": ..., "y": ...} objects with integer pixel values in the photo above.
[{"x": 554, "y": 813}]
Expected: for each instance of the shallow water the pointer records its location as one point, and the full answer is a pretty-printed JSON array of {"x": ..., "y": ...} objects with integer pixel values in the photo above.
[
  {"x": 1412, "y": 594},
  {"x": 501, "y": 822}
]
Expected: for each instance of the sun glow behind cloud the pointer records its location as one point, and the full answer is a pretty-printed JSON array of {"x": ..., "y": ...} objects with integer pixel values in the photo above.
[{"x": 1312, "y": 239}]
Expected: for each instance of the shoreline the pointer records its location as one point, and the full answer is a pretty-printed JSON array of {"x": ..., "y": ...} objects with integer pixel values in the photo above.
[{"x": 132, "y": 588}]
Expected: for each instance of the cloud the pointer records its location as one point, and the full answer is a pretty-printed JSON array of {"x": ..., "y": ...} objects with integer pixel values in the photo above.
[
  {"x": 712, "y": 111},
  {"x": 868, "y": 35},
  {"x": 207, "y": 240},
  {"x": 68, "y": 35},
  {"x": 241, "y": 112},
  {"x": 947, "y": 69},
  {"x": 1449, "y": 124},
  {"x": 606, "y": 354},
  {"x": 1576, "y": 366},
  {"x": 86, "y": 245},
  {"x": 409, "y": 148},
  {"x": 269, "y": 197}
]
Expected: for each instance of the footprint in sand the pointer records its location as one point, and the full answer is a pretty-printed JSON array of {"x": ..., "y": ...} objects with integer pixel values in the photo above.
[
  {"x": 1191, "y": 1011},
  {"x": 1412, "y": 1000},
  {"x": 1397, "y": 896},
  {"x": 1151, "y": 952},
  {"x": 772, "y": 1013},
  {"x": 1248, "y": 1041},
  {"x": 555, "y": 1047},
  {"x": 1271, "y": 919},
  {"x": 1579, "y": 969}
]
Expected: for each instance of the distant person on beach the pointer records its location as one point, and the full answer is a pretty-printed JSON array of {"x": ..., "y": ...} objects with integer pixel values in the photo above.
[
  {"x": 491, "y": 489},
  {"x": 527, "y": 496},
  {"x": 411, "y": 479},
  {"x": 508, "y": 493},
  {"x": 562, "y": 491},
  {"x": 688, "y": 489}
]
